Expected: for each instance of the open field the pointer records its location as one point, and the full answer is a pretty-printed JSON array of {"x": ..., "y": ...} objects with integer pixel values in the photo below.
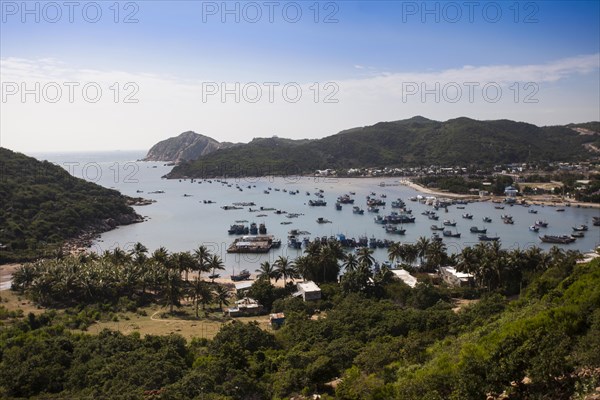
[
  {"x": 13, "y": 302},
  {"x": 151, "y": 320},
  {"x": 157, "y": 321}
]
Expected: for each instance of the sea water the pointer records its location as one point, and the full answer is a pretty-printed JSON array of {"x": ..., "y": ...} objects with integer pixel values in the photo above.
[{"x": 182, "y": 218}]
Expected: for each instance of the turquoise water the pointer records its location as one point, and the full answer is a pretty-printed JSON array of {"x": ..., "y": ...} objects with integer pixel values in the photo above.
[{"x": 182, "y": 223}]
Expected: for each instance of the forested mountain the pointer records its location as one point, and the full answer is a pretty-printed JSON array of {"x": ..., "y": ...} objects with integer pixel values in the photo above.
[
  {"x": 187, "y": 146},
  {"x": 43, "y": 205},
  {"x": 413, "y": 142}
]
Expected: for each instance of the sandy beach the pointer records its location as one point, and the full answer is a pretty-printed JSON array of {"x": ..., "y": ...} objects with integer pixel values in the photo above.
[{"x": 6, "y": 272}]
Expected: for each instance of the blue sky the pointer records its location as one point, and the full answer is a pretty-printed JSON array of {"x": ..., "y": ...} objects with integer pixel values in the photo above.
[{"x": 371, "y": 51}]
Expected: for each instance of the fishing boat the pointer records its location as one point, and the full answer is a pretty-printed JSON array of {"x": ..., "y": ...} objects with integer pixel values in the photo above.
[
  {"x": 379, "y": 220},
  {"x": 534, "y": 228},
  {"x": 475, "y": 229},
  {"x": 294, "y": 243},
  {"x": 373, "y": 209},
  {"x": 358, "y": 210},
  {"x": 487, "y": 219},
  {"x": 317, "y": 203},
  {"x": 450, "y": 234},
  {"x": 437, "y": 228},
  {"x": 486, "y": 238},
  {"x": 532, "y": 211},
  {"x": 436, "y": 237},
  {"x": 262, "y": 229},
  {"x": 398, "y": 204},
  {"x": 449, "y": 223},
  {"x": 238, "y": 229},
  {"x": 338, "y": 206},
  {"x": 467, "y": 216},
  {"x": 242, "y": 276},
  {"x": 394, "y": 229},
  {"x": 559, "y": 239},
  {"x": 499, "y": 207},
  {"x": 541, "y": 224},
  {"x": 322, "y": 220},
  {"x": 596, "y": 221},
  {"x": 580, "y": 228},
  {"x": 578, "y": 234},
  {"x": 253, "y": 228},
  {"x": 345, "y": 199}
]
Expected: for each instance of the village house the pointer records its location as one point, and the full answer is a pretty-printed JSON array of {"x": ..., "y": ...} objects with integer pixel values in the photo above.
[
  {"x": 308, "y": 290},
  {"x": 454, "y": 278},
  {"x": 405, "y": 277}
]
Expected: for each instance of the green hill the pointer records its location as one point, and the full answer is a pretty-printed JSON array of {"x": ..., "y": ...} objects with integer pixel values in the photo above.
[
  {"x": 416, "y": 141},
  {"x": 42, "y": 206}
]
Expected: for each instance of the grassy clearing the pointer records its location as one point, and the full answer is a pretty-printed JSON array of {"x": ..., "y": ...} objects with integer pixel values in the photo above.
[
  {"x": 13, "y": 302},
  {"x": 151, "y": 320},
  {"x": 158, "y": 321}
]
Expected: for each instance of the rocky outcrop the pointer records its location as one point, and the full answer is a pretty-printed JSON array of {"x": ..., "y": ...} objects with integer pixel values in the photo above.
[
  {"x": 186, "y": 147},
  {"x": 83, "y": 241}
]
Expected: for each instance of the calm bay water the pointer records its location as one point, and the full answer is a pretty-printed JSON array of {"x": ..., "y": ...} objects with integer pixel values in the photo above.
[{"x": 181, "y": 221}]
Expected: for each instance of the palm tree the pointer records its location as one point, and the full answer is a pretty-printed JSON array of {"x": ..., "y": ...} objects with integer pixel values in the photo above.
[
  {"x": 215, "y": 263},
  {"x": 172, "y": 286},
  {"x": 138, "y": 253},
  {"x": 365, "y": 257},
  {"x": 410, "y": 253},
  {"x": 284, "y": 268},
  {"x": 222, "y": 295},
  {"x": 313, "y": 249},
  {"x": 161, "y": 256},
  {"x": 182, "y": 262},
  {"x": 327, "y": 262},
  {"x": 119, "y": 256},
  {"x": 436, "y": 254},
  {"x": 396, "y": 252},
  {"x": 304, "y": 266},
  {"x": 266, "y": 271},
  {"x": 350, "y": 262},
  {"x": 422, "y": 246},
  {"x": 24, "y": 277},
  {"x": 202, "y": 256},
  {"x": 201, "y": 293}
]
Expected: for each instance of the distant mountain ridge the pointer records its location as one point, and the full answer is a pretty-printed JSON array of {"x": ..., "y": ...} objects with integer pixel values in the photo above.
[
  {"x": 185, "y": 147},
  {"x": 417, "y": 141}
]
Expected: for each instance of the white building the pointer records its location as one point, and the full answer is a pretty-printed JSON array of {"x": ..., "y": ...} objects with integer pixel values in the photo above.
[
  {"x": 405, "y": 277},
  {"x": 452, "y": 277},
  {"x": 308, "y": 290}
]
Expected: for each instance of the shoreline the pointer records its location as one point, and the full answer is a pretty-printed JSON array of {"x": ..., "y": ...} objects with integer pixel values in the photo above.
[{"x": 543, "y": 200}]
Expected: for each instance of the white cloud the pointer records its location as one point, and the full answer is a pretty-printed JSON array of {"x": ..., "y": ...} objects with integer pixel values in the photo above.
[{"x": 567, "y": 91}]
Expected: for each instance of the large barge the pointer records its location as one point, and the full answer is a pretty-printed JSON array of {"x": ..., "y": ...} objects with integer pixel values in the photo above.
[{"x": 254, "y": 244}]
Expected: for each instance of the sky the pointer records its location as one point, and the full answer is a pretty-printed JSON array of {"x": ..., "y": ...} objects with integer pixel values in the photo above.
[{"x": 108, "y": 75}]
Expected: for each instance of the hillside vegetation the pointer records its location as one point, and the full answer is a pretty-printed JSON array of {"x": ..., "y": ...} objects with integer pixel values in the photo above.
[
  {"x": 383, "y": 339},
  {"x": 42, "y": 206},
  {"x": 414, "y": 142}
]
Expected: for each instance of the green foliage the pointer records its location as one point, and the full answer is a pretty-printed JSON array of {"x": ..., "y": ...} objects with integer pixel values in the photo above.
[
  {"x": 402, "y": 343},
  {"x": 42, "y": 205}
]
